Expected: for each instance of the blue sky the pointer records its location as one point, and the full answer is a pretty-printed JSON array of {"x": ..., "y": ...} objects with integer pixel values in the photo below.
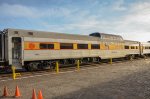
[{"x": 128, "y": 18}]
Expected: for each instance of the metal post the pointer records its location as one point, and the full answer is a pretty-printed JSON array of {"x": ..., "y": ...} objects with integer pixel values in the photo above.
[
  {"x": 57, "y": 67},
  {"x": 110, "y": 60},
  {"x": 13, "y": 72},
  {"x": 78, "y": 65}
]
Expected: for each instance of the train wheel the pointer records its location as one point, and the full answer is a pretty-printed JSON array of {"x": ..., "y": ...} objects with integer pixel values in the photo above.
[
  {"x": 85, "y": 60},
  {"x": 130, "y": 57},
  {"x": 144, "y": 56},
  {"x": 33, "y": 66},
  {"x": 99, "y": 60}
]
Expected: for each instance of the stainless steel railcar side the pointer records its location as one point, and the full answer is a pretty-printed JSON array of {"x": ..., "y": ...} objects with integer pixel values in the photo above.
[
  {"x": 145, "y": 48},
  {"x": 3, "y": 48},
  {"x": 15, "y": 52},
  {"x": 134, "y": 48}
]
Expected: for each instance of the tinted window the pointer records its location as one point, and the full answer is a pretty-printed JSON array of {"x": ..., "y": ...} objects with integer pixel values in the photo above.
[
  {"x": 95, "y": 46},
  {"x": 132, "y": 47},
  {"x": 126, "y": 47},
  {"x": 46, "y": 46},
  {"x": 82, "y": 46},
  {"x": 146, "y": 47},
  {"x": 66, "y": 46}
]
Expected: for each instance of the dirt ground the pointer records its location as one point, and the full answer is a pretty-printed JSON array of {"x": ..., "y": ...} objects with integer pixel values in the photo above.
[{"x": 125, "y": 80}]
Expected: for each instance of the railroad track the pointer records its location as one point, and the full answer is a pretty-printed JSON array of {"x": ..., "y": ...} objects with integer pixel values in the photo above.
[{"x": 70, "y": 68}]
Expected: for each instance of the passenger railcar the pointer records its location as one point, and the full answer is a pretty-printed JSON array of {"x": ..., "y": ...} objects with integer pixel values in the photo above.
[
  {"x": 132, "y": 48},
  {"x": 38, "y": 49},
  {"x": 145, "y": 48}
]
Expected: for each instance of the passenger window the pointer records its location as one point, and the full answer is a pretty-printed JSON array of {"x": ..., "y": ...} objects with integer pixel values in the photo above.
[
  {"x": 147, "y": 47},
  {"x": 46, "y": 46},
  {"x": 50, "y": 46},
  {"x": 95, "y": 46},
  {"x": 132, "y": 47},
  {"x": 82, "y": 46},
  {"x": 66, "y": 46},
  {"x": 126, "y": 47},
  {"x": 15, "y": 32}
]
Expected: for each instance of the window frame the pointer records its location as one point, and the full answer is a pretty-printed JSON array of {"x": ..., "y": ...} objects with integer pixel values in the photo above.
[
  {"x": 132, "y": 47},
  {"x": 93, "y": 47},
  {"x": 71, "y": 47},
  {"x": 47, "y": 46},
  {"x": 126, "y": 46},
  {"x": 79, "y": 45}
]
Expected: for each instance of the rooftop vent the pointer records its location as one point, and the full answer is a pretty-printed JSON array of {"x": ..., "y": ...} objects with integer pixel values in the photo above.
[
  {"x": 15, "y": 32},
  {"x": 30, "y": 33}
]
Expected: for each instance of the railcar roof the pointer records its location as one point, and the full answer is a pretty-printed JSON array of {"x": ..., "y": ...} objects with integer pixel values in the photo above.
[
  {"x": 46, "y": 34},
  {"x": 146, "y": 43},
  {"x": 107, "y": 36},
  {"x": 56, "y": 35},
  {"x": 130, "y": 41}
]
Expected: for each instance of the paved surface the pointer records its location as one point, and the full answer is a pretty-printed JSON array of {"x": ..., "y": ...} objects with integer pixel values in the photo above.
[{"x": 127, "y": 80}]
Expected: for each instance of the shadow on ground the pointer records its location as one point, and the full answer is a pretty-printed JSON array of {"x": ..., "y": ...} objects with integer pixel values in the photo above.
[{"x": 134, "y": 86}]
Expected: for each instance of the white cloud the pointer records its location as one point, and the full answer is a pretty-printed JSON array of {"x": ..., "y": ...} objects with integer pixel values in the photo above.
[
  {"x": 138, "y": 19},
  {"x": 133, "y": 25},
  {"x": 17, "y": 10},
  {"x": 118, "y": 5}
]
